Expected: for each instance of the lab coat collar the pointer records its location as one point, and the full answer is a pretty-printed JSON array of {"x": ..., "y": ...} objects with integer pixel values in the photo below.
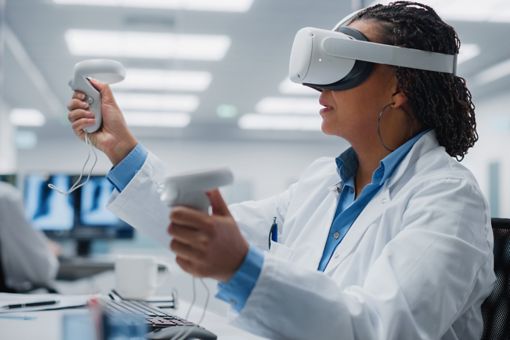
[
  {"x": 425, "y": 144},
  {"x": 376, "y": 206},
  {"x": 371, "y": 212}
]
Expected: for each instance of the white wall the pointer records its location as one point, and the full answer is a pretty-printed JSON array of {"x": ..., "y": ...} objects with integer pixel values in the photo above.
[
  {"x": 7, "y": 144},
  {"x": 493, "y": 120},
  {"x": 7, "y": 141}
]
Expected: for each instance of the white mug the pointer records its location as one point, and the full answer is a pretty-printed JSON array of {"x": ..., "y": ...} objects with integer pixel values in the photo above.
[{"x": 136, "y": 276}]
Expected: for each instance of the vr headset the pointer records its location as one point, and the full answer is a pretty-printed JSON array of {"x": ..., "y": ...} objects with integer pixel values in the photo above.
[{"x": 343, "y": 58}]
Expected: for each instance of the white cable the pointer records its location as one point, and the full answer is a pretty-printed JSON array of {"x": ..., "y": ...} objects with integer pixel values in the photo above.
[
  {"x": 183, "y": 336},
  {"x": 184, "y": 333},
  {"x": 206, "y": 302},
  {"x": 192, "y": 299},
  {"x": 77, "y": 184}
]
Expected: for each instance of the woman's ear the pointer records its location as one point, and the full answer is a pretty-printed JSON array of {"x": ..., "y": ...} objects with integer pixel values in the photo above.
[{"x": 399, "y": 100}]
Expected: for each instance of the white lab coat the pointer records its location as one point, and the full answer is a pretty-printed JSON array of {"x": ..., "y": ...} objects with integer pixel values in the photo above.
[
  {"x": 416, "y": 264},
  {"x": 26, "y": 258}
]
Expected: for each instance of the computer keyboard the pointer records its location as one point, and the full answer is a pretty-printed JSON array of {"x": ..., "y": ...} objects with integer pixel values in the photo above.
[{"x": 156, "y": 319}]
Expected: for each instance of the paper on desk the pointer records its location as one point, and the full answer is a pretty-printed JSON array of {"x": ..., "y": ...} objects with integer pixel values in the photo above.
[{"x": 64, "y": 301}]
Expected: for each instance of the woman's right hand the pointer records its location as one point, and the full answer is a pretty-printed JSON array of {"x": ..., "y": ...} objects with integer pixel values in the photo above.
[{"x": 113, "y": 137}]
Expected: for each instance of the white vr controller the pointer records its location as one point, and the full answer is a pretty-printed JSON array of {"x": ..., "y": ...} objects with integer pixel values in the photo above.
[
  {"x": 189, "y": 189},
  {"x": 104, "y": 70}
]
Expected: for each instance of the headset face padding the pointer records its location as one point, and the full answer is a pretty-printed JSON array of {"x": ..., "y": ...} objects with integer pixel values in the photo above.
[{"x": 357, "y": 75}]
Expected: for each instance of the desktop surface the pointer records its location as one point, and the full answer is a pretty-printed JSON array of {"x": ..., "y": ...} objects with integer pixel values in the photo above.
[{"x": 50, "y": 324}]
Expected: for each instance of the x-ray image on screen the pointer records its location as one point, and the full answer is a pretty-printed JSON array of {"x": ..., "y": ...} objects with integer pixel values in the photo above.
[
  {"x": 47, "y": 209},
  {"x": 9, "y": 178},
  {"x": 94, "y": 198}
]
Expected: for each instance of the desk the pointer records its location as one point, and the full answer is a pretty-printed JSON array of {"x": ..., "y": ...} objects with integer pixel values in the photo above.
[{"x": 47, "y": 325}]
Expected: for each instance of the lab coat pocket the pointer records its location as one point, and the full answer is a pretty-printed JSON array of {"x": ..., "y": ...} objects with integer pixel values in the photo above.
[{"x": 280, "y": 251}]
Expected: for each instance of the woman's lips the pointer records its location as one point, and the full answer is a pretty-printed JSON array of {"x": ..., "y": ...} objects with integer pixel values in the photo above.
[{"x": 325, "y": 109}]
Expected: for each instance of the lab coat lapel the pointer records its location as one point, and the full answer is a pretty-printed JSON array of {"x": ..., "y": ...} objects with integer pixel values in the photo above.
[
  {"x": 372, "y": 211},
  {"x": 309, "y": 253},
  {"x": 377, "y": 205}
]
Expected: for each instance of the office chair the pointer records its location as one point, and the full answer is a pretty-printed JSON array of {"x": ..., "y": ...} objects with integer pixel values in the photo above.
[{"x": 496, "y": 308}]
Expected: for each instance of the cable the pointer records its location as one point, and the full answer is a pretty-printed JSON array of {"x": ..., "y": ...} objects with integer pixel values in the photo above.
[
  {"x": 192, "y": 299},
  {"x": 77, "y": 184},
  {"x": 185, "y": 334}
]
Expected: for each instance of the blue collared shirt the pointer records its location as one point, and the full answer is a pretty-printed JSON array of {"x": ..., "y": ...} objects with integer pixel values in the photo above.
[
  {"x": 349, "y": 206},
  {"x": 121, "y": 174}
]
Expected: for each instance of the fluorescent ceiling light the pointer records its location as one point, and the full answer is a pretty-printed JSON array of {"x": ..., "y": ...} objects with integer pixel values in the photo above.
[
  {"x": 157, "y": 102},
  {"x": 469, "y": 10},
  {"x": 254, "y": 121},
  {"x": 467, "y": 52},
  {"x": 493, "y": 73},
  {"x": 192, "y": 5},
  {"x": 157, "y": 119},
  {"x": 289, "y": 87},
  {"x": 146, "y": 45},
  {"x": 164, "y": 80},
  {"x": 27, "y": 117},
  {"x": 279, "y": 105}
]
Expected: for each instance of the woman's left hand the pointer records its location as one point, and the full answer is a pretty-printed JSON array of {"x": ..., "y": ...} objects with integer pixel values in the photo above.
[{"x": 207, "y": 245}]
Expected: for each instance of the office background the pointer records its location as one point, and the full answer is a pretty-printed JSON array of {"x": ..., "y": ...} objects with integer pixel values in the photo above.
[{"x": 235, "y": 107}]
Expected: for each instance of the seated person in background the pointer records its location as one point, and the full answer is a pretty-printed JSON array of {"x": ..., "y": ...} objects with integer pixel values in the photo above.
[{"x": 27, "y": 259}]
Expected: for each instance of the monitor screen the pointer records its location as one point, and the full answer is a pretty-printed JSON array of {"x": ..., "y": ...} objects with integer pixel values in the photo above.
[
  {"x": 9, "y": 178},
  {"x": 45, "y": 208},
  {"x": 93, "y": 213}
]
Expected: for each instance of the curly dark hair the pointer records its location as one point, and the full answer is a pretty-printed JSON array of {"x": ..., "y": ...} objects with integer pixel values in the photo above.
[{"x": 440, "y": 101}]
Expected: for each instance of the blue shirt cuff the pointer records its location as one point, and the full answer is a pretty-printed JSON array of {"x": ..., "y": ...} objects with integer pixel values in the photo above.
[
  {"x": 121, "y": 174},
  {"x": 237, "y": 290}
]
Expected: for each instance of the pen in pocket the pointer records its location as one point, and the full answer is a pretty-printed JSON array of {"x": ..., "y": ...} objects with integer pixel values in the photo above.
[{"x": 273, "y": 233}]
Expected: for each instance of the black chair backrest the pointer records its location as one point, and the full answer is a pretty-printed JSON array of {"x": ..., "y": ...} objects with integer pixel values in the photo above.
[{"x": 496, "y": 308}]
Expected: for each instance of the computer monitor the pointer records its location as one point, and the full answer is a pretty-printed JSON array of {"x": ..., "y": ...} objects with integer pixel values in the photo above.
[
  {"x": 81, "y": 216},
  {"x": 9, "y": 178},
  {"x": 48, "y": 210},
  {"x": 94, "y": 218}
]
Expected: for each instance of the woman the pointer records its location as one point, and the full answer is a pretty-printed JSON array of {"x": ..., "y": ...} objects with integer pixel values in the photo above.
[{"x": 392, "y": 240}]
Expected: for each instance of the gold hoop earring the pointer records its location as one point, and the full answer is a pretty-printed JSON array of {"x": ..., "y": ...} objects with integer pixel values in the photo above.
[{"x": 379, "y": 134}]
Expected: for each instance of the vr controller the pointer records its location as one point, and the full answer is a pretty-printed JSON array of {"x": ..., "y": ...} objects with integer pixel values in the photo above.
[
  {"x": 189, "y": 189},
  {"x": 104, "y": 70}
]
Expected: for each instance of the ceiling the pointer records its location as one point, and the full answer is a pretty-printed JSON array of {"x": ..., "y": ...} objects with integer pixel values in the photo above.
[{"x": 38, "y": 64}]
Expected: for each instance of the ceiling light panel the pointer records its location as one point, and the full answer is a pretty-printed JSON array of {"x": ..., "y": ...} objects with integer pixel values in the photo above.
[
  {"x": 157, "y": 102},
  {"x": 469, "y": 10},
  {"x": 254, "y": 121},
  {"x": 164, "y": 80},
  {"x": 147, "y": 45},
  {"x": 27, "y": 117},
  {"x": 467, "y": 52},
  {"x": 493, "y": 73},
  {"x": 192, "y": 5},
  {"x": 157, "y": 119},
  {"x": 289, "y": 87},
  {"x": 282, "y": 105}
]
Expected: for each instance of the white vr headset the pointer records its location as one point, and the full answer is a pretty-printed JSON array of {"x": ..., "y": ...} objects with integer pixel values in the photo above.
[{"x": 343, "y": 58}]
